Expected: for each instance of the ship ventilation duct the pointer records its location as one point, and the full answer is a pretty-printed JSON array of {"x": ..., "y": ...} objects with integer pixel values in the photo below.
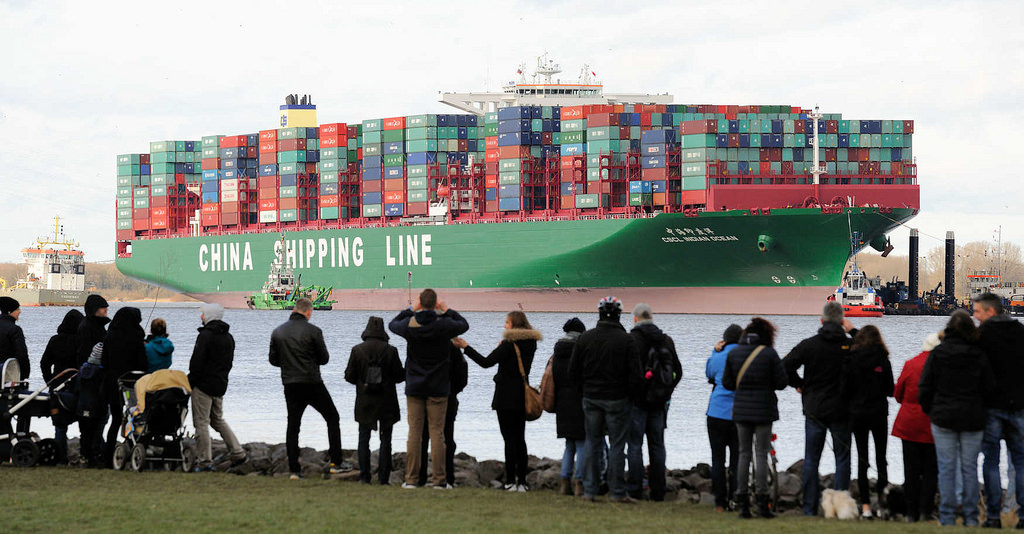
[
  {"x": 765, "y": 242},
  {"x": 950, "y": 264},
  {"x": 914, "y": 268}
]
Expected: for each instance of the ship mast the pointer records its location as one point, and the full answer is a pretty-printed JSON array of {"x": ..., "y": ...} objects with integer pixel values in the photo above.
[
  {"x": 816, "y": 169},
  {"x": 58, "y": 237}
]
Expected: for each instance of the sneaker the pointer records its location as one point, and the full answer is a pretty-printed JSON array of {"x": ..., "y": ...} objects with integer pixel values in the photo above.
[
  {"x": 521, "y": 488},
  {"x": 444, "y": 487},
  {"x": 406, "y": 485},
  {"x": 866, "y": 514},
  {"x": 510, "y": 487},
  {"x": 296, "y": 476},
  {"x": 202, "y": 469},
  {"x": 333, "y": 469},
  {"x": 237, "y": 462},
  {"x": 623, "y": 500}
]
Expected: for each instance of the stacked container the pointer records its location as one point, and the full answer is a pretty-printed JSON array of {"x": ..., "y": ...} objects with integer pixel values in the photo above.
[{"x": 174, "y": 165}]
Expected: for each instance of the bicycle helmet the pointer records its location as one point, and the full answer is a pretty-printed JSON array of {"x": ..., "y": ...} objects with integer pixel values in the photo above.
[{"x": 610, "y": 305}]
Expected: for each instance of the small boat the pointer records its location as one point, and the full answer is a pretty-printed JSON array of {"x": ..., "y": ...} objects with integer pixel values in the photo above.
[
  {"x": 283, "y": 288},
  {"x": 858, "y": 296}
]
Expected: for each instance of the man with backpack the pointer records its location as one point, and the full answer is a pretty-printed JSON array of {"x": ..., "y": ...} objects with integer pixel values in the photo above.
[{"x": 661, "y": 371}]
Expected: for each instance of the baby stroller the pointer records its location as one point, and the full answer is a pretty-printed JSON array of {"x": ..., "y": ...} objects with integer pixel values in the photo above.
[
  {"x": 153, "y": 426},
  {"x": 23, "y": 447}
]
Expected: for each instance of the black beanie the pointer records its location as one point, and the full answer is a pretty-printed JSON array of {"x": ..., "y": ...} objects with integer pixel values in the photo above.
[
  {"x": 732, "y": 334},
  {"x": 574, "y": 325},
  {"x": 93, "y": 303},
  {"x": 8, "y": 305}
]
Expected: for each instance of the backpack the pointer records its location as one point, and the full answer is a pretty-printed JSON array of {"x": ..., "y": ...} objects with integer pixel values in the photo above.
[
  {"x": 659, "y": 376},
  {"x": 373, "y": 381}
]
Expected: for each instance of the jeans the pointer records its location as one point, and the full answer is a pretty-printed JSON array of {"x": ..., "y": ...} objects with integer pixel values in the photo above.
[
  {"x": 298, "y": 397},
  {"x": 383, "y": 458},
  {"x": 1011, "y": 490},
  {"x": 919, "y": 472},
  {"x": 762, "y": 434},
  {"x": 878, "y": 426},
  {"x": 611, "y": 417},
  {"x": 814, "y": 432},
  {"x": 574, "y": 458},
  {"x": 947, "y": 443},
  {"x": 722, "y": 434},
  {"x": 512, "y": 424},
  {"x": 432, "y": 411},
  {"x": 1009, "y": 426},
  {"x": 60, "y": 436},
  {"x": 207, "y": 412},
  {"x": 91, "y": 443},
  {"x": 649, "y": 424},
  {"x": 451, "y": 412},
  {"x": 115, "y": 404}
]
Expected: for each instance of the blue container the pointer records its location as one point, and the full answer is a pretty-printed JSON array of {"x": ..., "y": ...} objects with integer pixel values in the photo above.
[
  {"x": 328, "y": 189},
  {"x": 371, "y": 173},
  {"x": 462, "y": 133},
  {"x": 224, "y": 164},
  {"x": 144, "y": 169},
  {"x": 372, "y": 198},
  {"x": 566, "y": 189},
  {"x": 744, "y": 140},
  {"x": 798, "y": 154},
  {"x": 462, "y": 120},
  {"x": 556, "y": 113},
  {"x": 508, "y": 204},
  {"x": 312, "y": 156},
  {"x": 210, "y": 175},
  {"x": 396, "y": 147},
  {"x": 210, "y": 187},
  {"x": 652, "y": 150},
  {"x": 311, "y": 133},
  {"x": 229, "y": 174},
  {"x": 536, "y": 112},
  {"x": 659, "y": 186},
  {"x": 743, "y": 167},
  {"x": 414, "y": 158},
  {"x": 652, "y": 137},
  {"x": 246, "y": 173},
  {"x": 722, "y": 141},
  {"x": 471, "y": 145},
  {"x": 844, "y": 141},
  {"x": 572, "y": 149},
  {"x": 652, "y": 162},
  {"x": 548, "y": 125},
  {"x": 491, "y": 193},
  {"x": 776, "y": 141},
  {"x": 634, "y": 119},
  {"x": 210, "y": 198},
  {"x": 373, "y": 162},
  {"x": 734, "y": 126},
  {"x": 511, "y": 139},
  {"x": 536, "y": 138},
  {"x": 288, "y": 180},
  {"x": 179, "y": 168},
  {"x": 471, "y": 120},
  {"x": 254, "y": 139},
  {"x": 190, "y": 146},
  {"x": 897, "y": 154},
  {"x": 506, "y": 191},
  {"x": 551, "y": 151},
  {"x": 394, "y": 210},
  {"x": 391, "y": 173},
  {"x": 445, "y": 120},
  {"x": 513, "y": 112},
  {"x": 520, "y": 125},
  {"x": 229, "y": 153},
  {"x": 268, "y": 170}
]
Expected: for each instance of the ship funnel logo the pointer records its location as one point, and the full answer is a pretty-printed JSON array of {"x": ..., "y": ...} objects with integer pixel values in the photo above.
[{"x": 284, "y": 121}]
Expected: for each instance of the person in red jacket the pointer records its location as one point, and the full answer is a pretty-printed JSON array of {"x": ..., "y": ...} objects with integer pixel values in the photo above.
[{"x": 913, "y": 427}]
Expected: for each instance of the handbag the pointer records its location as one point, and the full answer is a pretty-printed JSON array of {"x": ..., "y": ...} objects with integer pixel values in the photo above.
[
  {"x": 547, "y": 388},
  {"x": 534, "y": 407},
  {"x": 746, "y": 363}
]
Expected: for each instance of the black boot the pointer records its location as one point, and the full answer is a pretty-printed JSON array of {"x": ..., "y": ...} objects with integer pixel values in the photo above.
[
  {"x": 763, "y": 510},
  {"x": 743, "y": 503}
]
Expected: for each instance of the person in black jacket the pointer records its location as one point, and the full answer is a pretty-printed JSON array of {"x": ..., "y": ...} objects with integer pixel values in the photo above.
[
  {"x": 823, "y": 357},
  {"x": 569, "y": 410},
  {"x": 459, "y": 371},
  {"x": 61, "y": 354},
  {"x": 606, "y": 364},
  {"x": 428, "y": 330},
  {"x": 212, "y": 358},
  {"x": 93, "y": 328},
  {"x": 513, "y": 356},
  {"x": 1002, "y": 339},
  {"x": 91, "y": 408},
  {"x": 374, "y": 368},
  {"x": 124, "y": 350},
  {"x": 12, "y": 339},
  {"x": 955, "y": 386},
  {"x": 867, "y": 385},
  {"x": 298, "y": 348},
  {"x": 649, "y": 419},
  {"x": 754, "y": 371}
]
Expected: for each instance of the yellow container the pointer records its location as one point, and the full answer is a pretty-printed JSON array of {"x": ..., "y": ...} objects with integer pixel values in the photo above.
[{"x": 297, "y": 117}]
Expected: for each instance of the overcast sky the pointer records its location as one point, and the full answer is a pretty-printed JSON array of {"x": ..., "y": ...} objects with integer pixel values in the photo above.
[{"x": 81, "y": 82}]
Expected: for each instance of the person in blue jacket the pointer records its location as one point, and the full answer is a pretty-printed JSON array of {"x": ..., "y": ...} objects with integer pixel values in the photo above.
[
  {"x": 158, "y": 347},
  {"x": 721, "y": 430}
]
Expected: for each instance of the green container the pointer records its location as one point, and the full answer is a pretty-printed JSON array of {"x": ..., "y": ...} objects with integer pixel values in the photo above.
[
  {"x": 371, "y": 210},
  {"x": 695, "y": 183},
  {"x": 124, "y": 170},
  {"x": 141, "y": 202},
  {"x": 372, "y": 149},
  {"x": 723, "y": 126},
  {"x": 373, "y": 136},
  {"x": 704, "y": 140},
  {"x": 329, "y": 178},
  {"x": 416, "y": 195},
  {"x": 207, "y": 153},
  {"x": 696, "y": 168},
  {"x": 288, "y": 168},
  {"x": 288, "y": 191},
  {"x": 572, "y": 137},
  {"x": 509, "y": 178},
  {"x": 587, "y": 201},
  {"x": 124, "y": 192},
  {"x": 417, "y": 171},
  {"x": 124, "y": 213},
  {"x": 128, "y": 159},
  {"x": 537, "y": 125},
  {"x": 161, "y": 146},
  {"x": 332, "y": 153},
  {"x": 329, "y": 213},
  {"x": 491, "y": 117},
  {"x": 575, "y": 125},
  {"x": 124, "y": 224},
  {"x": 373, "y": 125},
  {"x": 125, "y": 180},
  {"x": 124, "y": 203},
  {"x": 854, "y": 127},
  {"x": 419, "y": 145},
  {"x": 394, "y": 160},
  {"x": 328, "y": 165},
  {"x": 510, "y": 165},
  {"x": 158, "y": 191},
  {"x": 641, "y": 199},
  {"x": 141, "y": 192},
  {"x": 897, "y": 140},
  {"x": 490, "y": 130},
  {"x": 598, "y": 147},
  {"x": 605, "y": 132},
  {"x": 420, "y": 121},
  {"x": 416, "y": 183},
  {"x": 291, "y": 156},
  {"x": 413, "y": 134},
  {"x": 393, "y": 136},
  {"x": 844, "y": 127},
  {"x": 211, "y": 141},
  {"x": 897, "y": 127},
  {"x": 288, "y": 215}
]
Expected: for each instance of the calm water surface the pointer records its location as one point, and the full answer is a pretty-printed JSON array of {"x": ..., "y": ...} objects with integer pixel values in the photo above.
[{"x": 254, "y": 405}]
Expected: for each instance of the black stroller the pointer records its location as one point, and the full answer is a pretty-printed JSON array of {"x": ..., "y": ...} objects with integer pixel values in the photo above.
[
  {"x": 22, "y": 446},
  {"x": 153, "y": 427}
]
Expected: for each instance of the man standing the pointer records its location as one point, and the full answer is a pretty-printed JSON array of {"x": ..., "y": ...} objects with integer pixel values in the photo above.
[
  {"x": 93, "y": 328},
  {"x": 212, "y": 358},
  {"x": 428, "y": 329},
  {"x": 651, "y": 409},
  {"x": 12, "y": 339},
  {"x": 298, "y": 348},
  {"x": 1002, "y": 339},
  {"x": 459, "y": 373},
  {"x": 606, "y": 364},
  {"x": 822, "y": 357}
]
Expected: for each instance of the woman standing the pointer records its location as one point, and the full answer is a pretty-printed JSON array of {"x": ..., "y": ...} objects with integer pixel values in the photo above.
[
  {"x": 755, "y": 372},
  {"x": 867, "y": 384},
  {"x": 955, "y": 384},
  {"x": 914, "y": 428},
  {"x": 124, "y": 350},
  {"x": 513, "y": 357},
  {"x": 569, "y": 410},
  {"x": 721, "y": 429}
]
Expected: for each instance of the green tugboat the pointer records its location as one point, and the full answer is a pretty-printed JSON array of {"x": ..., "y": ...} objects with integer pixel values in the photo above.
[{"x": 283, "y": 288}]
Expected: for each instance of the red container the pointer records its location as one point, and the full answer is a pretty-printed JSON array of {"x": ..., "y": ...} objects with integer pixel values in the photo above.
[
  {"x": 394, "y": 123},
  {"x": 798, "y": 127},
  {"x": 287, "y": 145},
  {"x": 211, "y": 219},
  {"x": 734, "y": 140},
  {"x": 124, "y": 235},
  {"x": 229, "y": 207},
  {"x": 571, "y": 113},
  {"x": 329, "y": 201},
  {"x": 211, "y": 208},
  {"x": 267, "y": 147},
  {"x": 490, "y": 143},
  {"x": 908, "y": 127},
  {"x": 623, "y": 132},
  {"x": 765, "y": 154},
  {"x": 233, "y": 141},
  {"x": 270, "y": 158},
  {"x": 373, "y": 186},
  {"x": 140, "y": 213},
  {"x": 491, "y": 155},
  {"x": 416, "y": 208},
  {"x": 140, "y": 224},
  {"x": 491, "y": 181},
  {"x": 599, "y": 120},
  {"x": 285, "y": 204},
  {"x": 863, "y": 167},
  {"x": 157, "y": 201},
  {"x": 787, "y": 167},
  {"x": 654, "y": 174},
  {"x": 267, "y": 204},
  {"x": 463, "y": 145},
  {"x": 158, "y": 223},
  {"x": 394, "y": 185},
  {"x": 698, "y": 127},
  {"x": 765, "y": 167},
  {"x": 157, "y": 212},
  {"x": 659, "y": 198},
  {"x": 268, "y": 135},
  {"x": 830, "y": 154},
  {"x": 229, "y": 219},
  {"x": 329, "y": 141},
  {"x": 394, "y": 197},
  {"x": 514, "y": 152},
  {"x": 144, "y": 159},
  {"x": 352, "y": 132},
  {"x": 491, "y": 167},
  {"x": 334, "y": 128},
  {"x": 491, "y": 206},
  {"x": 267, "y": 193},
  {"x": 266, "y": 182},
  {"x": 545, "y": 138},
  {"x": 831, "y": 127},
  {"x": 211, "y": 164},
  {"x": 851, "y": 154}
]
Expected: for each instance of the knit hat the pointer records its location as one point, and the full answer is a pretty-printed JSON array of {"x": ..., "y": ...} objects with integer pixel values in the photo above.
[
  {"x": 96, "y": 356},
  {"x": 732, "y": 334},
  {"x": 8, "y": 305},
  {"x": 930, "y": 342},
  {"x": 93, "y": 303},
  {"x": 212, "y": 311},
  {"x": 574, "y": 325}
]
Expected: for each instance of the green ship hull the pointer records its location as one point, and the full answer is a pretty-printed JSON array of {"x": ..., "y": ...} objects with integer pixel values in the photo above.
[{"x": 787, "y": 261}]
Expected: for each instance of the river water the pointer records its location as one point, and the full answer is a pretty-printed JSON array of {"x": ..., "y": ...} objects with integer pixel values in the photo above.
[{"x": 254, "y": 404}]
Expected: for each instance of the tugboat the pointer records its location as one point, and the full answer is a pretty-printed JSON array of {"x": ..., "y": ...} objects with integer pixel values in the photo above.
[
  {"x": 283, "y": 288},
  {"x": 858, "y": 296},
  {"x": 55, "y": 272}
]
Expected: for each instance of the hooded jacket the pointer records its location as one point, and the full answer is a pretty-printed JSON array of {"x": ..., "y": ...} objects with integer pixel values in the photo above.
[
  {"x": 124, "y": 348},
  {"x": 956, "y": 383},
  {"x": 646, "y": 335},
  {"x": 568, "y": 396},
  {"x": 1002, "y": 339},
  {"x": 91, "y": 331},
  {"x": 158, "y": 353},
  {"x": 428, "y": 336},
  {"x": 911, "y": 423},
  {"x": 755, "y": 401},
  {"x": 12, "y": 344},
  {"x": 867, "y": 381},
  {"x": 720, "y": 403},
  {"x": 61, "y": 351},
  {"x": 297, "y": 347},
  {"x": 382, "y": 402},
  {"x": 822, "y": 357},
  {"x": 606, "y": 363},
  {"x": 508, "y": 381},
  {"x": 212, "y": 358}
]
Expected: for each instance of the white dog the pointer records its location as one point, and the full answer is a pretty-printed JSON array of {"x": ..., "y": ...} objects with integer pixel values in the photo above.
[{"x": 838, "y": 504}]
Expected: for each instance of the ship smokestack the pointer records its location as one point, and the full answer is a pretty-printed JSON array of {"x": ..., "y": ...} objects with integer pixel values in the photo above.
[
  {"x": 950, "y": 264},
  {"x": 914, "y": 267}
]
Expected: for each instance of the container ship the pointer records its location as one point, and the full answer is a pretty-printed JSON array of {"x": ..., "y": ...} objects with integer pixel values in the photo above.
[
  {"x": 544, "y": 197},
  {"x": 55, "y": 273}
]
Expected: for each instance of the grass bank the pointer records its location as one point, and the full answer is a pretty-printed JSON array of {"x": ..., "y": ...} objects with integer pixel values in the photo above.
[{"x": 49, "y": 498}]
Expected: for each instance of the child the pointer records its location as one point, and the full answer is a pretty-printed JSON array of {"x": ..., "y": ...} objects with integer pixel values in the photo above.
[{"x": 92, "y": 408}]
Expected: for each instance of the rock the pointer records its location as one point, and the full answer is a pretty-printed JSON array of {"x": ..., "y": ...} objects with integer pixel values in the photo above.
[
  {"x": 491, "y": 470},
  {"x": 797, "y": 468},
  {"x": 694, "y": 481},
  {"x": 789, "y": 485},
  {"x": 703, "y": 469},
  {"x": 546, "y": 479},
  {"x": 468, "y": 478},
  {"x": 495, "y": 484},
  {"x": 707, "y": 499}
]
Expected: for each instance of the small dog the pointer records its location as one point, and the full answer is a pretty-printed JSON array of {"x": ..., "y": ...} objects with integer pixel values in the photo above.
[{"x": 838, "y": 504}]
